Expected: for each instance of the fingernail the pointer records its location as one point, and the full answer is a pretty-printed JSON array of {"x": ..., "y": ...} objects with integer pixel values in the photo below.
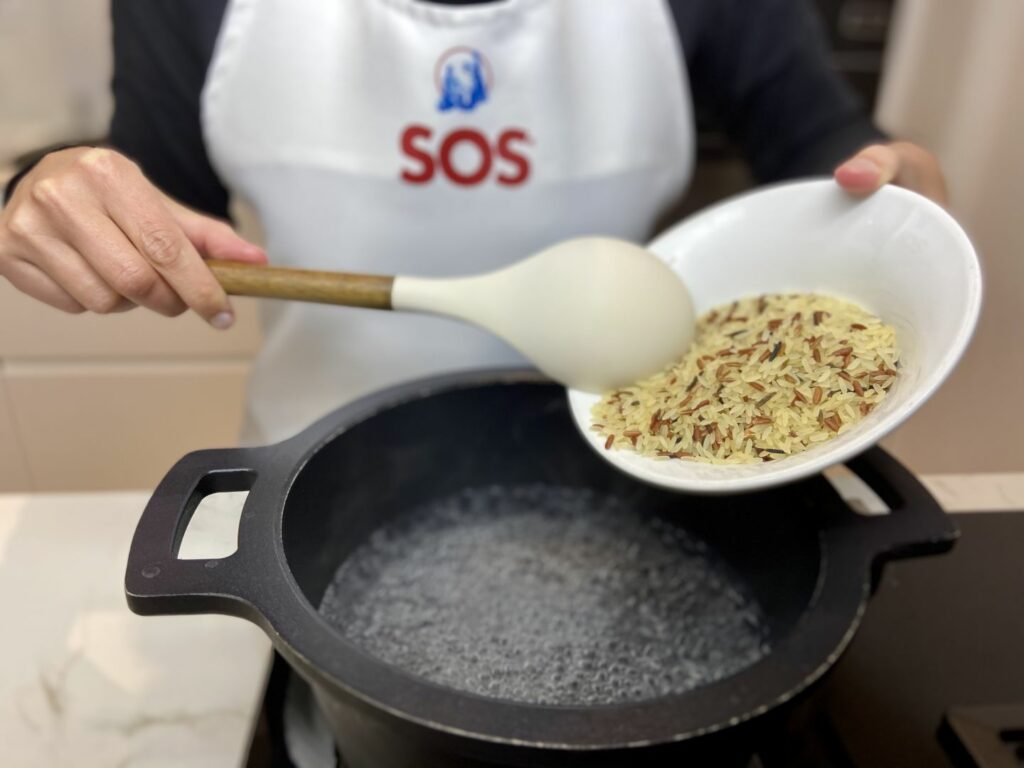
[
  {"x": 861, "y": 165},
  {"x": 222, "y": 320},
  {"x": 255, "y": 251}
]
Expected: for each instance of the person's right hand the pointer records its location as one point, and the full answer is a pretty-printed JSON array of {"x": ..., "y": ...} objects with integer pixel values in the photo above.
[{"x": 85, "y": 230}]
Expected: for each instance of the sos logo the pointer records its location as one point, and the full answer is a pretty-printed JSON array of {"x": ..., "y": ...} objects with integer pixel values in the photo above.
[{"x": 465, "y": 156}]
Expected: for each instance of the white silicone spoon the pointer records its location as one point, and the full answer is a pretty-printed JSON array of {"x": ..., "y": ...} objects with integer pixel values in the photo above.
[{"x": 593, "y": 313}]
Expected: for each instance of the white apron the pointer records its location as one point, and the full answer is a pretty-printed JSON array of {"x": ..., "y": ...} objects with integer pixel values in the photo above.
[{"x": 402, "y": 137}]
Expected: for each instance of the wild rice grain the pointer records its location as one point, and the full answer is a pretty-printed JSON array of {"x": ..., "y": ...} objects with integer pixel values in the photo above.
[{"x": 738, "y": 397}]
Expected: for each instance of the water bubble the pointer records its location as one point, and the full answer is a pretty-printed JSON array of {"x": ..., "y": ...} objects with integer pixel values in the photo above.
[{"x": 546, "y": 594}]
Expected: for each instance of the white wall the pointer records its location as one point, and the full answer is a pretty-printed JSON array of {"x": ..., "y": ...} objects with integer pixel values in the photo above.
[
  {"x": 953, "y": 83},
  {"x": 54, "y": 72}
]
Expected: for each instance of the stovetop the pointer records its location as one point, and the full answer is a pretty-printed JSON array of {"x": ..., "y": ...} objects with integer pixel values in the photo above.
[{"x": 934, "y": 676}]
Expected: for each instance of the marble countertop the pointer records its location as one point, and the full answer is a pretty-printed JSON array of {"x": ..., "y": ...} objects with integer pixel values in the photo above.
[{"x": 86, "y": 683}]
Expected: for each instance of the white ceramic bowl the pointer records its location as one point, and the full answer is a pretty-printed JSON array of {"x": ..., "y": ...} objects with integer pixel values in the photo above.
[{"x": 895, "y": 253}]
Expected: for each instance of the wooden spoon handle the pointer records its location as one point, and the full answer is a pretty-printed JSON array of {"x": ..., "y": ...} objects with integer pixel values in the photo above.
[{"x": 352, "y": 290}]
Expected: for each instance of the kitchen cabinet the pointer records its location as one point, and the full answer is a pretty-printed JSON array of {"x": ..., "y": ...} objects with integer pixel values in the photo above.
[
  {"x": 91, "y": 402},
  {"x": 30, "y": 330},
  {"x": 102, "y": 425},
  {"x": 13, "y": 466}
]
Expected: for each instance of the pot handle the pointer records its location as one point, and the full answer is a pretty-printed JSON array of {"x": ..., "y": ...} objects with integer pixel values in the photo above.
[
  {"x": 156, "y": 580},
  {"x": 916, "y": 525}
]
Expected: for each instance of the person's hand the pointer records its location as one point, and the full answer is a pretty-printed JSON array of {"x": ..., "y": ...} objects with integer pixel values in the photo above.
[
  {"x": 85, "y": 230},
  {"x": 901, "y": 163}
]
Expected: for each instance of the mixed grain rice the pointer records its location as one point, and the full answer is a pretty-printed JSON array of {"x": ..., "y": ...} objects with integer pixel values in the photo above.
[{"x": 766, "y": 377}]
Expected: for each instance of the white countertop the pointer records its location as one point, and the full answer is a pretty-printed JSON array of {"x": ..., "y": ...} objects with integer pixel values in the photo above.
[{"x": 86, "y": 683}]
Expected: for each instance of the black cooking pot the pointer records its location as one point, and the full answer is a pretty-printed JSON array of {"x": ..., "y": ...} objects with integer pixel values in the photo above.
[{"x": 805, "y": 556}]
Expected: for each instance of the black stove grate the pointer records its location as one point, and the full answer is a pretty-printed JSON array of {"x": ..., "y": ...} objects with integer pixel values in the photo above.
[{"x": 984, "y": 737}]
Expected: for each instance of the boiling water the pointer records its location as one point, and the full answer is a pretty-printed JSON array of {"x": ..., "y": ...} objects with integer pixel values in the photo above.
[{"x": 545, "y": 595}]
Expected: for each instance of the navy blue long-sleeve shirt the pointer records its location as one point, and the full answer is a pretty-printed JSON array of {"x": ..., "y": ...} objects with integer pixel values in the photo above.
[{"x": 760, "y": 68}]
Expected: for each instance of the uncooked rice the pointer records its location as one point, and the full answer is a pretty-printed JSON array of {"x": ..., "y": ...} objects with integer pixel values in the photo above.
[{"x": 766, "y": 377}]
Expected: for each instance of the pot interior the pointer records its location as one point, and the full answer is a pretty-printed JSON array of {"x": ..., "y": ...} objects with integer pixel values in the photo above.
[{"x": 521, "y": 434}]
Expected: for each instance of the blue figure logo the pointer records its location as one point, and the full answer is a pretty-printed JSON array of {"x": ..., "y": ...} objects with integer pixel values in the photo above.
[{"x": 463, "y": 81}]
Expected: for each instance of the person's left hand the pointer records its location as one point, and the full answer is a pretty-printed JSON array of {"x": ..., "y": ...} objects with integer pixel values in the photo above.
[{"x": 901, "y": 163}]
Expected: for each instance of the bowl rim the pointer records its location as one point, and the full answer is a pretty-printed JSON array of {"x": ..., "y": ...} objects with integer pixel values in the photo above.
[{"x": 777, "y": 473}]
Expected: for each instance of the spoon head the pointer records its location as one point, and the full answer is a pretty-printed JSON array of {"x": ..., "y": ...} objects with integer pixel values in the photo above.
[{"x": 597, "y": 313}]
